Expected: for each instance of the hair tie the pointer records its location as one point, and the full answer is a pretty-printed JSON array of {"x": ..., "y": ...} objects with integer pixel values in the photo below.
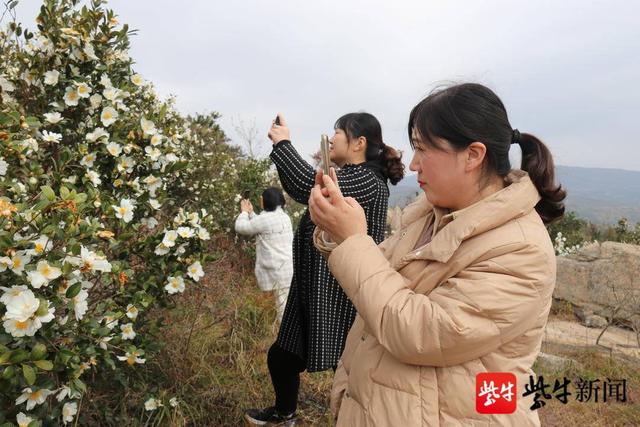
[{"x": 515, "y": 136}]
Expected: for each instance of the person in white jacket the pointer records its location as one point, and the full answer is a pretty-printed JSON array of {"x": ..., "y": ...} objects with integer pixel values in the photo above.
[{"x": 274, "y": 239}]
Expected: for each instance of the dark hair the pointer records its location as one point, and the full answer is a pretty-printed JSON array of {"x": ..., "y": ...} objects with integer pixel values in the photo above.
[
  {"x": 272, "y": 197},
  {"x": 356, "y": 125},
  {"x": 470, "y": 112}
]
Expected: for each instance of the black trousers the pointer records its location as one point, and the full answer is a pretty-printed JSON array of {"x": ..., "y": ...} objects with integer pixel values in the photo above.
[{"x": 285, "y": 368}]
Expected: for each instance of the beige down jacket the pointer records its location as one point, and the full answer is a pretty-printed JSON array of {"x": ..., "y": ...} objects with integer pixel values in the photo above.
[{"x": 474, "y": 299}]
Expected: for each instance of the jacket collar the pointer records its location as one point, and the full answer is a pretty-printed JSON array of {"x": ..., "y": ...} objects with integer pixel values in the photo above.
[{"x": 451, "y": 229}]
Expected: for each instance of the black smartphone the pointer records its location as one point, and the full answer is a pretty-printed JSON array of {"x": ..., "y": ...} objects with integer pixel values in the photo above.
[
  {"x": 246, "y": 194},
  {"x": 277, "y": 120}
]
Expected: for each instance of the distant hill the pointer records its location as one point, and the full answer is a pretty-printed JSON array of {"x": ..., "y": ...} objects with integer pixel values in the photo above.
[{"x": 600, "y": 195}]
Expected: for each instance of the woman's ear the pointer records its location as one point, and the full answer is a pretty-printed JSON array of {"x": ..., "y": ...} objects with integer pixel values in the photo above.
[
  {"x": 360, "y": 144},
  {"x": 475, "y": 154}
]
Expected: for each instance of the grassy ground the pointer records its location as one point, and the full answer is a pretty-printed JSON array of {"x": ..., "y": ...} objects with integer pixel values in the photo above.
[{"x": 214, "y": 362}]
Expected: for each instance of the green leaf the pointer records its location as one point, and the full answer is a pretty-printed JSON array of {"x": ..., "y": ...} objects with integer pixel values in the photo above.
[
  {"x": 45, "y": 365},
  {"x": 29, "y": 374},
  {"x": 9, "y": 372},
  {"x": 48, "y": 192},
  {"x": 39, "y": 351},
  {"x": 78, "y": 385},
  {"x": 18, "y": 356},
  {"x": 73, "y": 290},
  {"x": 64, "y": 192}
]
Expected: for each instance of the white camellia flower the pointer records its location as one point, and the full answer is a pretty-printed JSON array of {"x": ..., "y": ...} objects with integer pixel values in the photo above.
[
  {"x": 155, "y": 204},
  {"x": 108, "y": 116},
  {"x": 127, "y": 331},
  {"x": 152, "y": 404},
  {"x": 161, "y": 250},
  {"x": 69, "y": 411},
  {"x": 111, "y": 93},
  {"x": 87, "y": 160},
  {"x": 95, "y": 100},
  {"x": 20, "y": 303},
  {"x": 19, "y": 261},
  {"x": 103, "y": 342},
  {"x": 125, "y": 210},
  {"x": 53, "y": 118},
  {"x": 132, "y": 312},
  {"x": 51, "y": 78},
  {"x": 89, "y": 261},
  {"x": 156, "y": 140},
  {"x": 33, "y": 397},
  {"x": 51, "y": 136},
  {"x": 137, "y": 79},
  {"x": 41, "y": 245},
  {"x": 153, "y": 183},
  {"x": 132, "y": 358},
  {"x": 71, "y": 96},
  {"x": 20, "y": 328},
  {"x": 43, "y": 274},
  {"x": 114, "y": 149},
  {"x": 125, "y": 164},
  {"x": 23, "y": 420},
  {"x": 80, "y": 304},
  {"x": 3, "y": 166},
  {"x": 174, "y": 285},
  {"x": 65, "y": 392},
  {"x": 96, "y": 135},
  {"x": 110, "y": 322},
  {"x": 195, "y": 271},
  {"x": 148, "y": 127},
  {"x": 169, "y": 239},
  {"x": 185, "y": 232},
  {"x": 105, "y": 81},
  {"x": 149, "y": 222},
  {"x": 90, "y": 52},
  {"x": 94, "y": 177},
  {"x": 203, "y": 234},
  {"x": 153, "y": 153},
  {"x": 83, "y": 89}
]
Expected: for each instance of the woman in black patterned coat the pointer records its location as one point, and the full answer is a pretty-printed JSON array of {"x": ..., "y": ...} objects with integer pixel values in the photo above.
[{"x": 318, "y": 314}]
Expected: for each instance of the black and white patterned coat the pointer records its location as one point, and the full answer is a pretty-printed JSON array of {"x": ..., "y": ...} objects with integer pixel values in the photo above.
[{"x": 318, "y": 314}]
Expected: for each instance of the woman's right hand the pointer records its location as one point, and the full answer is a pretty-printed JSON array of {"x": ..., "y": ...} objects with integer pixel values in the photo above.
[{"x": 279, "y": 132}]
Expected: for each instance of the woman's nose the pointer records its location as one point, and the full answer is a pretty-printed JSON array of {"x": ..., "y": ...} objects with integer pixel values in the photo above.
[{"x": 413, "y": 166}]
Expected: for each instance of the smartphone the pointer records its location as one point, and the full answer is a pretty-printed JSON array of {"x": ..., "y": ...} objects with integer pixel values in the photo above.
[
  {"x": 278, "y": 120},
  {"x": 324, "y": 153},
  {"x": 246, "y": 194}
]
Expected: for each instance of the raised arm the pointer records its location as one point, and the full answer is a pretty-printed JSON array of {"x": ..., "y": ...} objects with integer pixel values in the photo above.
[
  {"x": 250, "y": 224},
  {"x": 296, "y": 175}
]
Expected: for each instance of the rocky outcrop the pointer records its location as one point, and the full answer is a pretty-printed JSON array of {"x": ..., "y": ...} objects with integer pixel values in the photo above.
[{"x": 601, "y": 280}]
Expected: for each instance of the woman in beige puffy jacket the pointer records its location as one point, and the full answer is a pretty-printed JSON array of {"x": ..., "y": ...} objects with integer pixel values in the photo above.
[{"x": 463, "y": 288}]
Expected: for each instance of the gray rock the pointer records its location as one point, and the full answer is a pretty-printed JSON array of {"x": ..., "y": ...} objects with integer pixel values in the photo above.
[
  {"x": 600, "y": 278},
  {"x": 555, "y": 363}
]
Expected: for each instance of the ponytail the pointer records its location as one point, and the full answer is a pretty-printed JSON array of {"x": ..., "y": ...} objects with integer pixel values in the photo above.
[
  {"x": 392, "y": 162},
  {"x": 538, "y": 162}
]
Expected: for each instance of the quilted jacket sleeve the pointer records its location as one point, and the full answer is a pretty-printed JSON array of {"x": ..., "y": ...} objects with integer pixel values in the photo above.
[{"x": 472, "y": 314}]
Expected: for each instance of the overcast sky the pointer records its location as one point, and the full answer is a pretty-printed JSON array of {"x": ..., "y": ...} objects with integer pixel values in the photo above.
[{"x": 566, "y": 70}]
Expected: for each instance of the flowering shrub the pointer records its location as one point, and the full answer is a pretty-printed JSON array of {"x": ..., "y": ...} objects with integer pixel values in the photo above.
[
  {"x": 91, "y": 234},
  {"x": 219, "y": 173},
  {"x": 559, "y": 244}
]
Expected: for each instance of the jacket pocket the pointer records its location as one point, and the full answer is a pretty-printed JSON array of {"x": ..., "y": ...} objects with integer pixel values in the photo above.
[{"x": 394, "y": 374}]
